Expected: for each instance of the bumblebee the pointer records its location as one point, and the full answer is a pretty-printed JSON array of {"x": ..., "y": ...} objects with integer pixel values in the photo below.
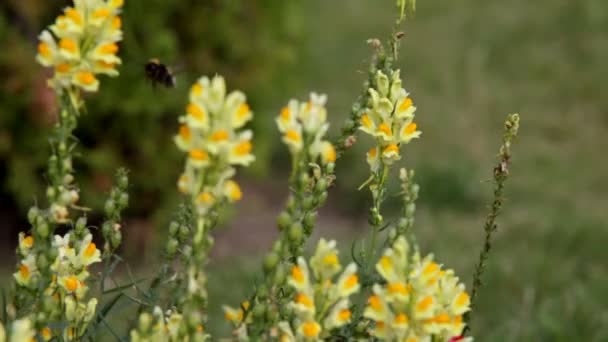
[{"x": 157, "y": 72}]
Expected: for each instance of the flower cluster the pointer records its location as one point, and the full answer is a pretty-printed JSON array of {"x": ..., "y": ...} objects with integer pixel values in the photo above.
[
  {"x": 212, "y": 135},
  {"x": 159, "y": 327},
  {"x": 303, "y": 125},
  {"x": 389, "y": 118},
  {"x": 65, "y": 296},
  {"x": 418, "y": 300},
  {"x": 83, "y": 44},
  {"x": 321, "y": 302}
]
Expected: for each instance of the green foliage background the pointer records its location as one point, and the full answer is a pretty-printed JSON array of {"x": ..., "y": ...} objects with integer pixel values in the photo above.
[{"x": 467, "y": 64}]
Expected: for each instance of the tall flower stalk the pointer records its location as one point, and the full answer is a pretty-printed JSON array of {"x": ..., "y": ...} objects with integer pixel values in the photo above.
[{"x": 51, "y": 281}]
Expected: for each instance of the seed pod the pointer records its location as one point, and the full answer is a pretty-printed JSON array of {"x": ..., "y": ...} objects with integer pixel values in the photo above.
[{"x": 270, "y": 261}]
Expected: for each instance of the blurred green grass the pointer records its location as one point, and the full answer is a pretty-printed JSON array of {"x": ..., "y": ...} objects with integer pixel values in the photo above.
[{"x": 467, "y": 64}]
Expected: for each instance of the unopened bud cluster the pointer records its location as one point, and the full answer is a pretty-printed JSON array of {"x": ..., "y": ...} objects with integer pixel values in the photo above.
[{"x": 113, "y": 207}]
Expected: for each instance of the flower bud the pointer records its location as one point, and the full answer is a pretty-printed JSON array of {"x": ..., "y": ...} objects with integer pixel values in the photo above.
[
  {"x": 42, "y": 262},
  {"x": 277, "y": 246},
  {"x": 270, "y": 261},
  {"x": 52, "y": 253},
  {"x": 184, "y": 232},
  {"x": 283, "y": 220},
  {"x": 172, "y": 247},
  {"x": 321, "y": 185},
  {"x": 322, "y": 198},
  {"x": 272, "y": 314},
  {"x": 110, "y": 207},
  {"x": 410, "y": 209},
  {"x": 258, "y": 311},
  {"x": 403, "y": 222},
  {"x": 295, "y": 232},
  {"x": 330, "y": 167},
  {"x": 81, "y": 223},
  {"x": 303, "y": 180},
  {"x": 50, "y": 192},
  {"x": 291, "y": 204},
  {"x": 123, "y": 181},
  {"x": 392, "y": 234},
  {"x": 279, "y": 275},
  {"x": 187, "y": 251},
  {"x": 262, "y": 292},
  {"x": 309, "y": 222},
  {"x": 43, "y": 230},
  {"x": 123, "y": 200},
  {"x": 116, "y": 238},
  {"x": 32, "y": 214},
  {"x": 308, "y": 203},
  {"x": 106, "y": 228},
  {"x": 173, "y": 228},
  {"x": 349, "y": 124}
]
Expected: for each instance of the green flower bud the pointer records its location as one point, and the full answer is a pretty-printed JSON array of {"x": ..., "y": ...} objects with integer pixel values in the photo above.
[
  {"x": 308, "y": 203},
  {"x": 295, "y": 232},
  {"x": 81, "y": 223},
  {"x": 291, "y": 204},
  {"x": 50, "y": 192},
  {"x": 272, "y": 314},
  {"x": 42, "y": 262},
  {"x": 106, "y": 228},
  {"x": 262, "y": 292},
  {"x": 283, "y": 220},
  {"x": 173, "y": 228},
  {"x": 123, "y": 200},
  {"x": 403, "y": 222},
  {"x": 187, "y": 252},
  {"x": 321, "y": 185},
  {"x": 184, "y": 232},
  {"x": 43, "y": 230},
  {"x": 116, "y": 238},
  {"x": 110, "y": 207},
  {"x": 277, "y": 246},
  {"x": 52, "y": 253},
  {"x": 258, "y": 311},
  {"x": 32, "y": 214},
  {"x": 322, "y": 198},
  {"x": 279, "y": 275},
  {"x": 172, "y": 247},
  {"x": 330, "y": 167},
  {"x": 349, "y": 124},
  {"x": 309, "y": 221},
  {"x": 410, "y": 209},
  {"x": 303, "y": 180},
  {"x": 123, "y": 181},
  {"x": 270, "y": 261}
]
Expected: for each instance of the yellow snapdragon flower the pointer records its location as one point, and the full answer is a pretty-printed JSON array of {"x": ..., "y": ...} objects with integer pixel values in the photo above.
[
  {"x": 389, "y": 118},
  {"x": 211, "y": 133},
  {"x": 82, "y": 43},
  {"x": 321, "y": 302},
  {"x": 305, "y": 124},
  {"x": 418, "y": 299}
]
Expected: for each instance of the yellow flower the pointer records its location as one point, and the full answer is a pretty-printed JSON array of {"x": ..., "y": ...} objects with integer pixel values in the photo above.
[
  {"x": 325, "y": 263},
  {"x": 232, "y": 191},
  {"x": 408, "y": 132},
  {"x": 198, "y": 158},
  {"x": 348, "y": 283},
  {"x": 86, "y": 80},
  {"x": 240, "y": 150},
  {"x": 309, "y": 329},
  {"x": 299, "y": 278},
  {"x": 183, "y": 139}
]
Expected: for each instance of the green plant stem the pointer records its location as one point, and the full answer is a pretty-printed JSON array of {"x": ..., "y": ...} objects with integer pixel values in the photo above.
[{"x": 500, "y": 176}]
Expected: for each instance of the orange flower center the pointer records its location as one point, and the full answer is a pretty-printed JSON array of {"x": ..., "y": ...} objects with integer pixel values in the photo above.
[
  {"x": 74, "y": 15},
  {"x": 219, "y": 136},
  {"x": 391, "y": 148},
  {"x": 90, "y": 250},
  {"x": 24, "y": 271},
  {"x": 243, "y": 110},
  {"x": 44, "y": 49},
  {"x": 304, "y": 300},
  {"x": 405, "y": 105},
  {"x": 116, "y": 23},
  {"x": 28, "y": 241},
  {"x": 86, "y": 78},
  {"x": 243, "y": 148},
  {"x": 311, "y": 329},
  {"x": 401, "y": 319},
  {"x": 293, "y": 135},
  {"x": 375, "y": 303},
  {"x": 425, "y": 304},
  {"x": 68, "y": 44},
  {"x": 108, "y": 49},
  {"x": 384, "y": 128},
  {"x": 72, "y": 283},
  {"x": 297, "y": 274},
  {"x": 199, "y": 155},
  {"x": 101, "y": 13},
  {"x": 351, "y": 281},
  {"x": 195, "y": 111},
  {"x": 344, "y": 315},
  {"x": 62, "y": 68},
  {"x": 185, "y": 133},
  {"x": 411, "y": 128}
]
